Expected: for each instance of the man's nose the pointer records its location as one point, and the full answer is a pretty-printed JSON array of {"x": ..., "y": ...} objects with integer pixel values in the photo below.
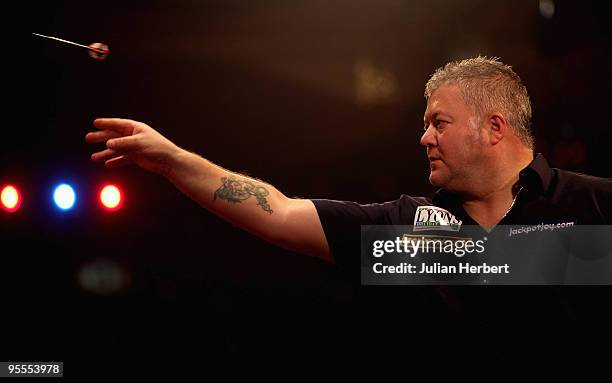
[{"x": 429, "y": 137}]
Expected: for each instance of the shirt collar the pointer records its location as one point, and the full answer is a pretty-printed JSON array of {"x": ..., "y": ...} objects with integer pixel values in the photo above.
[{"x": 537, "y": 174}]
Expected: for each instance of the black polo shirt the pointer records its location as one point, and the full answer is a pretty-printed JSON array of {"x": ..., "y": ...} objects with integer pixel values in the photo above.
[{"x": 547, "y": 196}]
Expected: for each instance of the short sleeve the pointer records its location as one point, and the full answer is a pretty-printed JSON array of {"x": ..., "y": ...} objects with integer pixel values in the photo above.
[{"x": 341, "y": 221}]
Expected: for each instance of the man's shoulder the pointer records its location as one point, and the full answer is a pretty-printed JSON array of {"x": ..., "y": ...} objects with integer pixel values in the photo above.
[
  {"x": 408, "y": 200},
  {"x": 398, "y": 211},
  {"x": 586, "y": 197},
  {"x": 574, "y": 182},
  {"x": 404, "y": 200}
]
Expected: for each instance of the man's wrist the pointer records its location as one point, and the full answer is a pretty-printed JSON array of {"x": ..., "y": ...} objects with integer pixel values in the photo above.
[{"x": 175, "y": 160}]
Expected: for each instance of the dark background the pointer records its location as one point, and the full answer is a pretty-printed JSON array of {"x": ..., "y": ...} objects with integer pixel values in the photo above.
[{"x": 322, "y": 99}]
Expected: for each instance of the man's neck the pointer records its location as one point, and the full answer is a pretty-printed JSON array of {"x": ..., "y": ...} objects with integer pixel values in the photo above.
[
  {"x": 490, "y": 206},
  {"x": 489, "y": 210}
]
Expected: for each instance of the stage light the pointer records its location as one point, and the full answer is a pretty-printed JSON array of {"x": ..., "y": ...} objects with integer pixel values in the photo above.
[
  {"x": 64, "y": 196},
  {"x": 103, "y": 277},
  {"x": 111, "y": 197},
  {"x": 10, "y": 198},
  {"x": 547, "y": 8}
]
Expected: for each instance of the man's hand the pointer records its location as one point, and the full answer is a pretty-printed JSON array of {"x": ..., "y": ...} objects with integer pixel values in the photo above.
[{"x": 129, "y": 141}]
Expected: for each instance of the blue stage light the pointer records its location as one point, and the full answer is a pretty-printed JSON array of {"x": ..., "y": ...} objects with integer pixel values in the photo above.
[{"x": 64, "y": 196}]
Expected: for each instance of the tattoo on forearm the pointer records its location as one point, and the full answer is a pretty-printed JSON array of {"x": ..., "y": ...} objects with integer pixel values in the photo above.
[{"x": 235, "y": 191}]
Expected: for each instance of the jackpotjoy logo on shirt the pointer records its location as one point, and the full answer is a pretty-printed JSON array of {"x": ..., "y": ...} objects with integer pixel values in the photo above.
[{"x": 435, "y": 218}]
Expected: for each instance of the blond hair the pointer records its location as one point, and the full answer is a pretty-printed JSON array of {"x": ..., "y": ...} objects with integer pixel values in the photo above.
[{"x": 488, "y": 85}]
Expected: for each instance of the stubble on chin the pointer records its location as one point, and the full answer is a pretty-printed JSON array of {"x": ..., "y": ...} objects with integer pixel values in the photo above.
[{"x": 435, "y": 180}]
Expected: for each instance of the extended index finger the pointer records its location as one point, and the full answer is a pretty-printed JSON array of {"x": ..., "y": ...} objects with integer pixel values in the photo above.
[{"x": 119, "y": 125}]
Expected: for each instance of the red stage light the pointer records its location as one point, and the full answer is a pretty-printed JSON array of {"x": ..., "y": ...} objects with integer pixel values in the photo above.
[
  {"x": 10, "y": 198},
  {"x": 111, "y": 197}
]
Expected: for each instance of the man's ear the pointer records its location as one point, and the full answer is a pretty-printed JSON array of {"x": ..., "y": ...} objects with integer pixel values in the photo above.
[{"x": 498, "y": 127}]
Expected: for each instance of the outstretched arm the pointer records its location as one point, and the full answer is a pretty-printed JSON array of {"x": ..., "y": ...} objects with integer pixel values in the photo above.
[{"x": 251, "y": 204}]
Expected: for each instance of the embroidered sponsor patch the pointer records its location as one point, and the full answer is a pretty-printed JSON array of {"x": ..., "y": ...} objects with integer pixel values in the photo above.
[{"x": 435, "y": 218}]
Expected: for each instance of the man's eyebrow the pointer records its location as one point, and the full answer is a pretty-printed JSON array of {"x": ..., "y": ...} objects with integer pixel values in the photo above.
[
  {"x": 429, "y": 115},
  {"x": 435, "y": 114}
]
